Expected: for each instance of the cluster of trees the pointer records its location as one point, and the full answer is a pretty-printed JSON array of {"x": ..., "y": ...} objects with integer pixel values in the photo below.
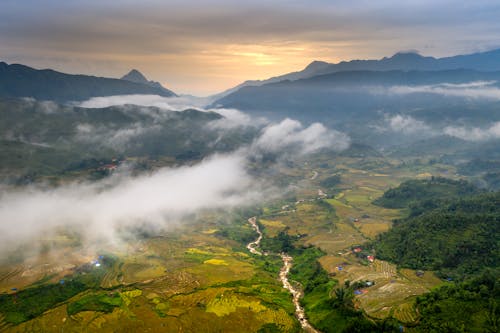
[
  {"x": 330, "y": 308},
  {"x": 457, "y": 238},
  {"x": 102, "y": 302},
  {"x": 471, "y": 306},
  {"x": 486, "y": 172},
  {"x": 29, "y": 303},
  {"x": 331, "y": 181},
  {"x": 428, "y": 190},
  {"x": 283, "y": 242}
]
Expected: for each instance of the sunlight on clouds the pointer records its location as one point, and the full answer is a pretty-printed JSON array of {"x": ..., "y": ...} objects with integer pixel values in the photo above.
[
  {"x": 204, "y": 48},
  {"x": 258, "y": 58}
]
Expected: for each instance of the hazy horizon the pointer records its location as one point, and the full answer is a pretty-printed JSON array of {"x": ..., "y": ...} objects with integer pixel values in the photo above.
[{"x": 206, "y": 48}]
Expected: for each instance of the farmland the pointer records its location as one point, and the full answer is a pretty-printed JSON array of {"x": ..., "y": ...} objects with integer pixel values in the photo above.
[{"x": 199, "y": 276}]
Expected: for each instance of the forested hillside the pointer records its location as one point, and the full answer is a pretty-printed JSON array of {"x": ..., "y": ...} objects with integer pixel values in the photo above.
[
  {"x": 421, "y": 190},
  {"x": 454, "y": 230},
  {"x": 455, "y": 237}
]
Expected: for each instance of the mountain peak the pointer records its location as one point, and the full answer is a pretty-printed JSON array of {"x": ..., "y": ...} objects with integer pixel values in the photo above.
[
  {"x": 408, "y": 52},
  {"x": 407, "y": 55},
  {"x": 316, "y": 64},
  {"x": 135, "y": 76}
]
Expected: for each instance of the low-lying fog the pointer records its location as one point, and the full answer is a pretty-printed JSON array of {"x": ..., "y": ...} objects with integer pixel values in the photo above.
[{"x": 101, "y": 210}]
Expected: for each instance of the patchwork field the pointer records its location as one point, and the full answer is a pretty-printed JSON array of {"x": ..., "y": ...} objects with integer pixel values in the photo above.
[
  {"x": 188, "y": 280},
  {"x": 199, "y": 277},
  {"x": 353, "y": 221}
]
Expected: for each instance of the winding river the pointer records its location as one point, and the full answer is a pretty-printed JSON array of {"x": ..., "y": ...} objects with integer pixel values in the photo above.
[
  {"x": 252, "y": 245},
  {"x": 283, "y": 275}
]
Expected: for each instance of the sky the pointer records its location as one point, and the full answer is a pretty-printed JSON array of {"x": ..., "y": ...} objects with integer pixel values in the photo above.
[{"x": 206, "y": 46}]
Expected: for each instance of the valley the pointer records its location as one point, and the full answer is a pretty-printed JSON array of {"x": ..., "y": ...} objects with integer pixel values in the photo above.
[
  {"x": 213, "y": 267},
  {"x": 322, "y": 167}
]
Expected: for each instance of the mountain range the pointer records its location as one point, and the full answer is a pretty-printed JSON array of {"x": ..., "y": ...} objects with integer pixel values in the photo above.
[
  {"x": 46, "y": 84},
  {"x": 365, "y": 95},
  {"x": 347, "y": 94},
  {"x": 405, "y": 61},
  {"x": 18, "y": 80}
]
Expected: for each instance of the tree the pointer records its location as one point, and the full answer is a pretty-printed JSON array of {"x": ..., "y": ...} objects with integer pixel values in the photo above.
[{"x": 344, "y": 297}]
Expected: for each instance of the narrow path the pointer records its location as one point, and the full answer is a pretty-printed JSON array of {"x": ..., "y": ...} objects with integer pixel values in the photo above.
[
  {"x": 283, "y": 275},
  {"x": 315, "y": 174}
]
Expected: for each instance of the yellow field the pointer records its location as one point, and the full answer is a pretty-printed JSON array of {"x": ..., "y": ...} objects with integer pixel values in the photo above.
[
  {"x": 358, "y": 220},
  {"x": 192, "y": 279},
  {"x": 273, "y": 227}
]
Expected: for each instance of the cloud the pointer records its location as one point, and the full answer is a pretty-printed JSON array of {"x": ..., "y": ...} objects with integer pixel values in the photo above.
[
  {"x": 274, "y": 137},
  {"x": 111, "y": 137},
  {"x": 407, "y": 125},
  {"x": 212, "y": 45},
  {"x": 474, "y": 133},
  {"x": 102, "y": 208},
  {"x": 476, "y": 90},
  {"x": 120, "y": 138},
  {"x": 291, "y": 134},
  {"x": 411, "y": 126},
  {"x": 46, "y": 107},
  {"x": 168, "y": 103},
  {"x": 233, "y": 118}
]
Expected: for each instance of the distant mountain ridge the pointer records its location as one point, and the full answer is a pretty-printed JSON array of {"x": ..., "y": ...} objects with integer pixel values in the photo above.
[
  {"x": 22, "y": 81},
  {"x": 354, "y": 95},
  {"x": 483, "y": 61},
  {"x": 404, "y": 61},
  {"x": 135, "y": 76},
  {"x": 38, "y": 137}
]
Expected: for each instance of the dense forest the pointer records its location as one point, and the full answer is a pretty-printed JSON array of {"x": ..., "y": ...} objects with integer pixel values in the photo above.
[
  {"x": 471, "y": 306},
  {"x": 417, "y": 191},
  {"x": 455, "y": 237},
  {"x": 454, "y": 230}
]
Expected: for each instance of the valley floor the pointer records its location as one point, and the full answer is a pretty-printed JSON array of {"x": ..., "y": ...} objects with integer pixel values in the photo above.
[{"x": 201, "y": 277}]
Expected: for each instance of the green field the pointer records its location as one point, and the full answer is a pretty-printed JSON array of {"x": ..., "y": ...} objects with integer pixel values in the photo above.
[{"x": 200, "y": 277}]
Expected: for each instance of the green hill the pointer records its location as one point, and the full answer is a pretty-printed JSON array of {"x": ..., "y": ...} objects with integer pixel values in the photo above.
[
  {"x": 454, "y": 230},
  {"x": 471, "y": 306},
  {"x": 46, "y": 138},
  {"x": 457, "y": 237},
  {"x": 413, "y": 191}
]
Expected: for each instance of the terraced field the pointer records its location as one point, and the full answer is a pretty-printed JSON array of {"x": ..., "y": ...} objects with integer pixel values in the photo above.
[
  {"x": 356, "y": 220},
  {"x": 188, "y": 280},
  {"x": 199, "y": 277}
]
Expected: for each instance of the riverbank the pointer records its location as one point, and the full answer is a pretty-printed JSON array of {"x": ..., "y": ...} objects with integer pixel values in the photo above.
[{"x": 283, "y": 276}]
